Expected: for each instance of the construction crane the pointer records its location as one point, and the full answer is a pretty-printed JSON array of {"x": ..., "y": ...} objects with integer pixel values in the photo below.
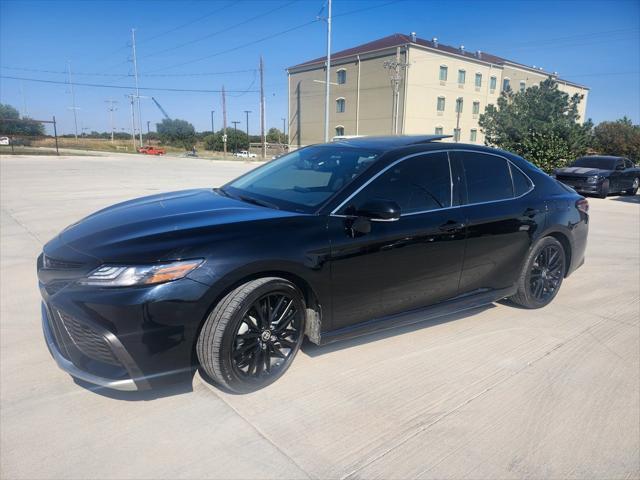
[{"x": 166, "y": 115}]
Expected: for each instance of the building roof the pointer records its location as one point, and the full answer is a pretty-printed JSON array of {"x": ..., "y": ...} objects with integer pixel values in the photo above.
[{"x": 400, "y": 39}]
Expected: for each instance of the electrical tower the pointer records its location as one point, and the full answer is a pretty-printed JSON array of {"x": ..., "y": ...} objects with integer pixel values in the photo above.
[
  {"x": 73, "y": 101},
  {"x": 396, "y": 69},
  {"x": 135, "y": 74}
]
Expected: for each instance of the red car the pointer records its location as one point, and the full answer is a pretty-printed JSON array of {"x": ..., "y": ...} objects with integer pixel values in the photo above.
[{"x": 149, "y": 150}]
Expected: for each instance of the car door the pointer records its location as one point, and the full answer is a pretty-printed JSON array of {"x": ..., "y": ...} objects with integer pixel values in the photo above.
[
  {"x": 629, "y": 174},
  {"x": 617, "y": 178},
  {"x": 502, "y": 214},
  {"x": 404, "y": 264}
]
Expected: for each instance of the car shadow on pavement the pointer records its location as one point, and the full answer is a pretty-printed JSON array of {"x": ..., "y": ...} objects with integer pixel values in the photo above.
[
  {"x": 627, "y": 199},
  {"x": 314, "y": 350}
]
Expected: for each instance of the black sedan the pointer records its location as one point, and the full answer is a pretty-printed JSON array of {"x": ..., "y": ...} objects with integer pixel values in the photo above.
[
  {"x": 601, "y": 175},
  {"x": 327, "y": 242}
]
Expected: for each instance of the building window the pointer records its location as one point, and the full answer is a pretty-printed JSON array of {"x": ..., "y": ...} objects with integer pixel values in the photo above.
[
  {"x": 456, "y": 134},
  {"x": 441, "y": 104},
  {"x": 523, "y": 85},
  {"x": 506, "y": 84},
  {"x": 340, "y": 105},
  {"x": 474, "y": 135},
  {"x": 476, "y": 108},
  {"x": 339, "y": 131},
  {"x": 443, "y": 73},
  {"x": 439, "y": 130},
  {"x": 459, "y": 103},
  {"x": 492, "y": 83},
  {"x": 341, "y": 76},
  {"x": 478, "y": 80},
  {"x": 462, "y": 75}
]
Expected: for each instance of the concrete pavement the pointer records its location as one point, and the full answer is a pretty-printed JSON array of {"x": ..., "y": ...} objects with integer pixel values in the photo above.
[{"x": 500, "y": 392}]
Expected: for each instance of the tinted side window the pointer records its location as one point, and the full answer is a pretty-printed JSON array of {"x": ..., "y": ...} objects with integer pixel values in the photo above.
[
  {"x": 521, "y": 183},
  {"x": 416, "y": 184},
  {"x": 488, "y": 177},
  {"x": 628, "y": 163}
]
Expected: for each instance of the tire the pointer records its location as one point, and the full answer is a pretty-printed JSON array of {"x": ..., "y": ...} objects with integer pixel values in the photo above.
[
  {"x": 234, "y": 348},
  {"x": 542, "y": 275},
  {"x": 604, "y": 189},
  {"x": 634, "y": 189}
]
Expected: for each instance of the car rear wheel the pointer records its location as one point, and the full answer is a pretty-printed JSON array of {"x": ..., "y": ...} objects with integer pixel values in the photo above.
[
  {"x": 634, "y": 188},
  {"x": 542, "y": 275},
  {"x": 251, "y": 337},
  {"x": 604, "y": 189}
]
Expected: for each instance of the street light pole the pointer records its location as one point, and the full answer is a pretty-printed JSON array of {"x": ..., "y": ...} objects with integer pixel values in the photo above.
[
  {"x": 328, "y": 74},
  {"x": 247, "y": 112},
  {"x": 212, "y": 129}
]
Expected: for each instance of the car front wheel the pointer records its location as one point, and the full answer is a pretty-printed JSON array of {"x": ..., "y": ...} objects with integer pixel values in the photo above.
[
  {"x": 542, "y": 275},
  {"x": 252, "y": 335},
  {"x": 634, "y": 188},
  {"x": 604, "y": 189}
]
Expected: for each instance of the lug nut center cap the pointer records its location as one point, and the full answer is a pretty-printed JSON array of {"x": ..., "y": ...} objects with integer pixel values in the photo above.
[{"x": 266, "y": 336}]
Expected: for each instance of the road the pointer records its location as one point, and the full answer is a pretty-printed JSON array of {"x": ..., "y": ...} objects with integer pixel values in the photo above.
[{"x": 500, "y": 392}]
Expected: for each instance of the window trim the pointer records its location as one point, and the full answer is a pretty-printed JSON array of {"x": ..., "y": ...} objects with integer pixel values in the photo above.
[
  {"x": 448, "y": 152},
  {"x": 446, "y": 70},
  {"x": 464, "y": 74},
  {"x": 338, "y": 76},
  {"x": 444, "y": 103},
  {"x": 336, "y": 128},
  {"x": 508, "y": 80},
  {"x": 473, "y": 107},
  {"x": 344, "y": 105},
  {"x": 476, "y": 78}
]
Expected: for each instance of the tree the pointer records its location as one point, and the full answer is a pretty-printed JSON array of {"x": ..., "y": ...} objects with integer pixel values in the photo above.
[
  {"x": 177, "y": 132},
  {"x": 236, "y": 140},
  {"x": 620, "y": 138},
  {"x": 13, "y": 124},
  {"x": 540, "y": 124},
  {"x": 276, "y": 136}
]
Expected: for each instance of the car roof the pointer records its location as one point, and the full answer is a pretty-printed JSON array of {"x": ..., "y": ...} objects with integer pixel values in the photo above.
[
  {"x": 602, "y": 157},
  {"x": 388, "y": 142}
]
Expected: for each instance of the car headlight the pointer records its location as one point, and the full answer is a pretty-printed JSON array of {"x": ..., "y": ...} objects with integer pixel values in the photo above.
[
  {"x": 593, "y": 179},
  {"x": 130, "y": 275}
]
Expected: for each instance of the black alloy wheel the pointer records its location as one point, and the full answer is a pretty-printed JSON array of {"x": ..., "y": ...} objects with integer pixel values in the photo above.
[
  {"x": 267, "y": 336},
  {"x": 634, "y": 187},
  {"x": 604, "y": 189},
  {"x": 542, "y": 274},
  {"x": 546, "y": 273},
  {"x": 252, "y": 335}
]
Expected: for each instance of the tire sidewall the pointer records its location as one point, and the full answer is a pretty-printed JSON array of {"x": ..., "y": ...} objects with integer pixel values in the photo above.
[
  {"x": 546, "y": 241},
  {"x": 235, "y": 381}
]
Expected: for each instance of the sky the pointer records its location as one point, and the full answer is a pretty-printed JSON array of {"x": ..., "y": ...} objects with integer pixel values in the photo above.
[{"x": 204, "y": 44}]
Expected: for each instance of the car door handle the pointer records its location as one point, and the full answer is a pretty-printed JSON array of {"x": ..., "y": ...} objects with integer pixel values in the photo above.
[
  {"x": 451, "y": 227},
  {"x": 531, "y": 212}
]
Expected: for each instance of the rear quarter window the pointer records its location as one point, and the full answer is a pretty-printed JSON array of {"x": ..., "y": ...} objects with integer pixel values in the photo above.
[{"x": 521, "y": 183}]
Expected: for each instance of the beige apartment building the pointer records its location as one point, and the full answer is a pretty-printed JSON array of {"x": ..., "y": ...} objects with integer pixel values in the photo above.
[{"x": 440, "y": 90}]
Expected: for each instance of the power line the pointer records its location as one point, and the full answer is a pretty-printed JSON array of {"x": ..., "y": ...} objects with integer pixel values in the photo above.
[
  {"x": 122, "y": 75},
  {"x": 231, "y": 27},
  {"x": 125, "y": 87},
  {"x": 244, "y": 45}
]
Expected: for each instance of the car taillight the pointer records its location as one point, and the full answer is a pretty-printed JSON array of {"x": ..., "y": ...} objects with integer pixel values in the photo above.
[{"x": 583, "y": 205}]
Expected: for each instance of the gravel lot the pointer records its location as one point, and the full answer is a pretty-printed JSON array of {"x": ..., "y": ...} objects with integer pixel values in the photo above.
[{"x": 497, "y": 393}]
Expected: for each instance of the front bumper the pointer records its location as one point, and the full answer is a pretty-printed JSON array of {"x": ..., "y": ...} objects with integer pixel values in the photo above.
[
  {"x": 124, "y": 338},
  {"x": 126, "y": 384}
]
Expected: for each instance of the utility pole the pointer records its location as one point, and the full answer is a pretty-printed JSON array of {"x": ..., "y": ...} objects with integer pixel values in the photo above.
[
  {"x": 133, "y": 124},
  {"x": 148, "y": 130},
  {"x": 247, "y": 112},
  {"x": 263, "y": 137},
  {"x": 135, "y": 74},
  {"x": 235, "y": 132},
  {"x": 224, "y": 121},
  {"x": 456, "y": 138},
  {"x": 111, "y": 110},
  {"x": 328, "y": 75},
  {"x": 73, "y": 101},
  {"x": 24, "y": 100},
  {"x": 212, "y": 129},
  {"x": 284, "y": 129},
  {"x": 395, "y": 68}
]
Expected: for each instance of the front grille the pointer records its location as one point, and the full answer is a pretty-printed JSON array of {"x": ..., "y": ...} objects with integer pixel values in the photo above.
[
  {"x": 571, "y": 181},
  {"x": 57, "y": 264},
  {"x": 89, "y": 342}
]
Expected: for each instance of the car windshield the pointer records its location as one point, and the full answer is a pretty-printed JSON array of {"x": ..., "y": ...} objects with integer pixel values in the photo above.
[
  {"x": 302, "y": 180},
  {"x": 595, "y": 162}
]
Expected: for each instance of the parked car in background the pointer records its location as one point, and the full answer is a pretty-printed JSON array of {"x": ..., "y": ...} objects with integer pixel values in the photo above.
[
  {"x": 329, "y": 242},
  {"x": 245, "y": 154},
  {"x": 601, "y": 175},
  {"x": 150, "y": 150},
  {"x": 4, "y": 141}
]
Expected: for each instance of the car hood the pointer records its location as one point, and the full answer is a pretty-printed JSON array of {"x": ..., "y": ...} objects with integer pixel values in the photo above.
[
  {"x": 582, "y": 171},
  {"x": 155, "y": 227}
]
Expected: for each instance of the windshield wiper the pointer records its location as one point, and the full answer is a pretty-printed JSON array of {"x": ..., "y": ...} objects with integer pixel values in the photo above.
[{"x": 257, "y": 201}]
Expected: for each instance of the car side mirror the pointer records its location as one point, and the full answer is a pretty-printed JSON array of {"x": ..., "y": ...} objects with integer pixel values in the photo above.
[{"x": 379, "y": 210}]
